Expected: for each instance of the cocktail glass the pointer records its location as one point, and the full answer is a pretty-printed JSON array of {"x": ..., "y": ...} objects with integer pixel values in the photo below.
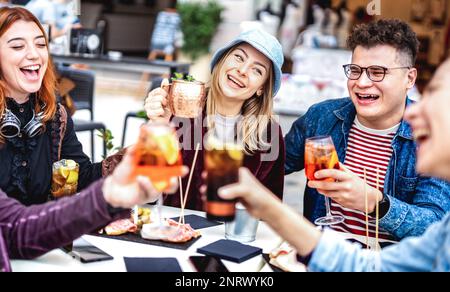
[
  {"x": 321, "y": 154},
  {"x": 65, "y": 181},
  {"x": 158, "y": 154},
  {"x": 158, "y": 157},
  {"x": 222, "y": 163},
  {"x": 64, "y": 178}
]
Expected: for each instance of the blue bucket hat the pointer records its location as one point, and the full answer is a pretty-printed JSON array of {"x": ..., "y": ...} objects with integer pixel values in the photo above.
[{"x": 263, "y": 42}]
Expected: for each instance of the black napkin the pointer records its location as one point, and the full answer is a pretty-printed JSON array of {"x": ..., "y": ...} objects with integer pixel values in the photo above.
[
  {"x": 198, "y": 222},
  {"x": 230, "y": 250},
  {"x": 152, "y": 265}
]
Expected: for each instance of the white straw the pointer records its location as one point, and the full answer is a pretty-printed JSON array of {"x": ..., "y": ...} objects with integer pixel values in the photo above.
[
  {"x": 377, "y": 211},
  {"x": 189, "y": 180},
  {"x": 367, "y": 208},
  {"x": 180, "y": 182}
]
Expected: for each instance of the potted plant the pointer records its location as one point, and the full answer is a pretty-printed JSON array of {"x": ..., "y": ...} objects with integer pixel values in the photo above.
[{"x": 199, "y": 22}]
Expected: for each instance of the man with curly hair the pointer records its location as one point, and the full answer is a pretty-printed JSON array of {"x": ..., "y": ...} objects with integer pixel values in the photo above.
[
  {"x": 327, "y": 251},
  {"x": 374, "y": 144}
]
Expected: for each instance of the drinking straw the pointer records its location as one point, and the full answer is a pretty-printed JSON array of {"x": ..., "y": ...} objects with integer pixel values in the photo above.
[
  {"x": 181, "y": 201},
  {"x": 189, "y": 180},
  {"x": 377, "y": 212},
  {"x": 367, "y": 208}
]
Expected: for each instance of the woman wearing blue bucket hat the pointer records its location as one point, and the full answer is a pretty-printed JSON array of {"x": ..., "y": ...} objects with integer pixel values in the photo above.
[{"x": 246, "y": 75}]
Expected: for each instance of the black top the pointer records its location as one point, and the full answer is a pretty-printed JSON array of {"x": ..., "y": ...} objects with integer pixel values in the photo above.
[{"x": 26, "y": 163}]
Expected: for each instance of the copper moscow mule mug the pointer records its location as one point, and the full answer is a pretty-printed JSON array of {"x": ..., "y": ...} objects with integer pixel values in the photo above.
[{"x": 186, "y": 98}]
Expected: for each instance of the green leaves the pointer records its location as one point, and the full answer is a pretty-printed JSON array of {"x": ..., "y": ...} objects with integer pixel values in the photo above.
[
  {"x": 107, "y": 136},
  {"x": 180, "y": 76},
  {"x": 190, "y": 78},
  {"x": 142, "y": 114},
  {"x": 199, "y": 22}
]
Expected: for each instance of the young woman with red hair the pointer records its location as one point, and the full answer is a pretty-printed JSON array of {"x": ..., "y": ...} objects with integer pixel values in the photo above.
[{"x": 35, "y": 130}]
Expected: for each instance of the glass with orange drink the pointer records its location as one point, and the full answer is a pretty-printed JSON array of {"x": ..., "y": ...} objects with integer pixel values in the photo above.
[
  {"x": 158, "y": 154},
  {"x": 158, "y": 157},
  {"x": 320, "y": 153}
]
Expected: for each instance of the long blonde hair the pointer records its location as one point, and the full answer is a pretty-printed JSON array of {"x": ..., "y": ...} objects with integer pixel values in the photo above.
[
  {"x": 46, "y": 94},
  {"x": 256, "y": 112}
]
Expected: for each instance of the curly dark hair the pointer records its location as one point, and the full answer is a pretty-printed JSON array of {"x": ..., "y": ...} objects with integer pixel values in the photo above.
[{"x": 392, "y": 32}]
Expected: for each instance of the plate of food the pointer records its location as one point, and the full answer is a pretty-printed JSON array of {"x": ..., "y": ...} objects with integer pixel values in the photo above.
[{"x": 168, "y": 233}]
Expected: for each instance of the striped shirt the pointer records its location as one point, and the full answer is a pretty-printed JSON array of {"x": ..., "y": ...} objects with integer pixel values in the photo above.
[{"x": 371, "y": 150}]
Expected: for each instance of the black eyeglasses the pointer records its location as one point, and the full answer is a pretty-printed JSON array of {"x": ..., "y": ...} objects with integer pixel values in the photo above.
[{"x": 375, "y": 73}]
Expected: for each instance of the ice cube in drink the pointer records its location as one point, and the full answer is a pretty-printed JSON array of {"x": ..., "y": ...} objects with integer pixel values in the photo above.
[
  {"x": 319, "y": 156},
  {"x": 64, "y": 178}
]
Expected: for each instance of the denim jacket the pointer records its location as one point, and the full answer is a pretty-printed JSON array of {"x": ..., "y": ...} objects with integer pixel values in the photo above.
[
  {"x": 415, "y": 201},
  {"x": 427, "y": 253}
]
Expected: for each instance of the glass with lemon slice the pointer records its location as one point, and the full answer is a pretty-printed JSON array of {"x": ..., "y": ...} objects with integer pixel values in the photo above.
[
  {"x": 64, "y": 178},
  {"x": 222, "y": 163},
  {"x": 158, "y": 154},
  {"x": 320, "y": 153}
]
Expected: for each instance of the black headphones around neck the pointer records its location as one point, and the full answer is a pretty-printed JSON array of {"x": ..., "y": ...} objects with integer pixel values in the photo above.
[{"x": 10, "y": 125}]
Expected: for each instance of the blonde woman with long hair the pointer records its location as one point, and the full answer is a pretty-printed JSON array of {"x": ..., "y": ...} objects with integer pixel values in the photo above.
[{"x": 246, "y": 75}]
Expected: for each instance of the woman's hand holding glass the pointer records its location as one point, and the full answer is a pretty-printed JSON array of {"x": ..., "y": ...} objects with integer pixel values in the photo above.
[{"x": 157, "y": 104}]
